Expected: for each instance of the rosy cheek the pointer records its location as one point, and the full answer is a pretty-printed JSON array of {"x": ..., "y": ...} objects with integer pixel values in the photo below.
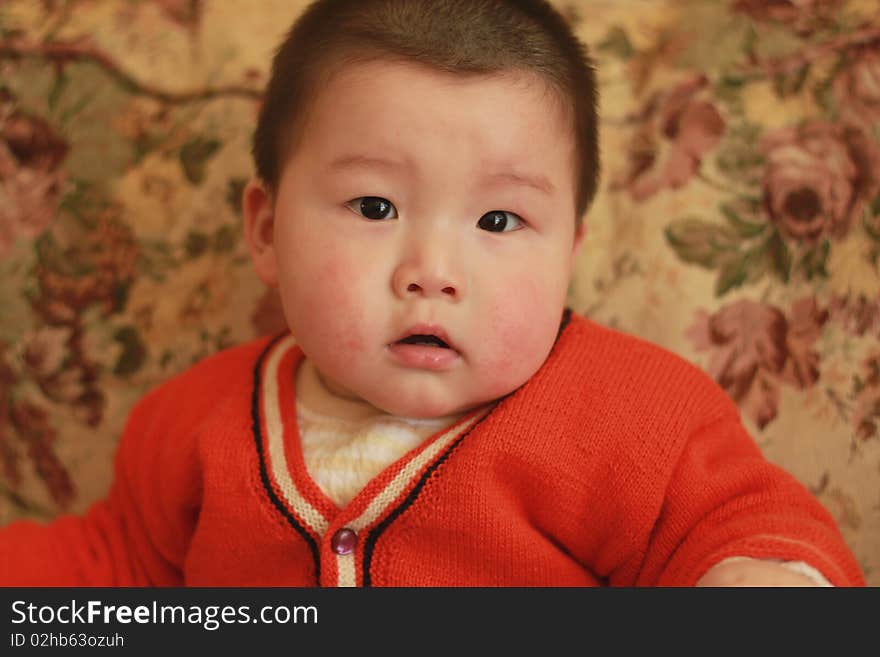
[
  {"x": 519, "y": 327},
  {"x": 331, "y": 309}
]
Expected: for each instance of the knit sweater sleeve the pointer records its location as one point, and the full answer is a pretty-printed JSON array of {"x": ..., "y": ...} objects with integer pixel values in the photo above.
[
  {"x": 140, "y": 534},
  {"x": 725, "y": 499},
  {"x": 137, "y": 535}
]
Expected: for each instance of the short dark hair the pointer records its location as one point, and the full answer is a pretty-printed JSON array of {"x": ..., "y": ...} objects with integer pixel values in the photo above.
[{"x": 457, "y": 36}]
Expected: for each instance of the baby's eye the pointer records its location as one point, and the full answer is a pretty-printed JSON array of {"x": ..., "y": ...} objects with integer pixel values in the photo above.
[
  {"x": 372, "y": 207},
  {"x": 499, "y": 221}
]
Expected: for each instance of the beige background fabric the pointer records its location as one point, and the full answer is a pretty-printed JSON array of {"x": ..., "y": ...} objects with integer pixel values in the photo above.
[{"x": 738, "y": 222}]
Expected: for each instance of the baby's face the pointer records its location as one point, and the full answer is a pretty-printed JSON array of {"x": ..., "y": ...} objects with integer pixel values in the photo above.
[{"x": 422, "y": 203}]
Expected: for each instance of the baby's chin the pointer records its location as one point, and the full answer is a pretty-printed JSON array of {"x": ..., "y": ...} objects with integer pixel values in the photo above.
[
  {"x": 437, "y": 398},
  {"x": 426, "y": 408}
]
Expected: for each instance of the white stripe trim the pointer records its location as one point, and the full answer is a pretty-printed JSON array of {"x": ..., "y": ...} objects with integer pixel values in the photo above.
[
  {"x": 275, "y": 438},
  {"x": 397, "y": 485},
  {"x": 345, "y": 564},
  {"x": 347, "y": 574}
]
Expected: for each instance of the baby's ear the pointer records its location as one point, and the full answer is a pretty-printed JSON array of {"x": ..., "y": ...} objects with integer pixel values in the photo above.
[
  {"x": 579, "y": 234},
  {"x": 259, "y": 230}
]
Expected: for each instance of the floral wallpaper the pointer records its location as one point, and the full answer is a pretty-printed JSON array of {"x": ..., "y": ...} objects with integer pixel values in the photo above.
[{"x": 738, "y": 222}]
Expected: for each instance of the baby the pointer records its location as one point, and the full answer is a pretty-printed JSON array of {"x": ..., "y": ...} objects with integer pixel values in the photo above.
[{"x": 436, "y": 416}]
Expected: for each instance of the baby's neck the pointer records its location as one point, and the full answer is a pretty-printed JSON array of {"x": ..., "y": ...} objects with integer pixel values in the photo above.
[{"x": 314, "y": 394}]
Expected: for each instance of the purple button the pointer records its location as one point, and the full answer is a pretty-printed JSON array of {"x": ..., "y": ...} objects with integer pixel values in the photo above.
[{"x": 344, "y": 541}]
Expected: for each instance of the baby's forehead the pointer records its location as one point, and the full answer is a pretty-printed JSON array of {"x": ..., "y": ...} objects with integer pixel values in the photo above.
[
  {"x": 362, "y": 69},
  {"x": 399, "y": 116},
  {"x": 396, "y": 98},
  {"x": 392, "y": 78}
]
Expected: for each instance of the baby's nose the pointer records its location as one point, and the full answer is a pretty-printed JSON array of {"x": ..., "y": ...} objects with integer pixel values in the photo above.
[
  {"x": 428, "y": 278},
  {"x": 426, "y": 288},
  {"x": 411, "y": 281}
]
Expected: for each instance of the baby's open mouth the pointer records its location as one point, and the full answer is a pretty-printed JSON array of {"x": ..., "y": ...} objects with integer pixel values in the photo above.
[
  {"x": 425, "y": 340},
  {"x": 426, "y": 347}
]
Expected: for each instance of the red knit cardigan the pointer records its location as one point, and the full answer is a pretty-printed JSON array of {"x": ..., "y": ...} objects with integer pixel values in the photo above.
[{"x": 617, "y": 463}]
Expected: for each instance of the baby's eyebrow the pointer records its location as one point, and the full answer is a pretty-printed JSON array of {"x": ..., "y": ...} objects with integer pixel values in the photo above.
[
  {"x": 364, "y": 162},
  {"x": 541, "y": 183},
  {"x": 353, "y": 161}
]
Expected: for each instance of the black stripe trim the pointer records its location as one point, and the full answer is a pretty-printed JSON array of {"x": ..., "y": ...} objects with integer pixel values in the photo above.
[
  {"x": 372, "y": 539},
  {"x": 264, "y": 473},
  {"x": 370, "y": 545}
]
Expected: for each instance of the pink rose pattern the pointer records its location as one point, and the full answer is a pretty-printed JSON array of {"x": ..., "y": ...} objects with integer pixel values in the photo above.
[
  {"x": 857, "y": 86},
  {"x": 857, "y": 314},
  {"x": 788, "y": 196},
  {"x": 818, "y": 179},
  {"x": 677, "y": 129},
  {"x": 866, "y": 389},
  {"x": 803, "y": 16},
  {"x": 32, "y": 179},
  {"x": 756, "y": 348}
]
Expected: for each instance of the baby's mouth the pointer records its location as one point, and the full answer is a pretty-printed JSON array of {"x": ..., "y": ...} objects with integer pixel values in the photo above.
[
  {"x": 426, "y": 348},
  {"x": 424, "y": 340}
]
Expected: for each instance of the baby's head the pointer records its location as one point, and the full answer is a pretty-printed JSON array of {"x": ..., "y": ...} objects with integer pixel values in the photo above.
[{"x": 423, "y": 170}]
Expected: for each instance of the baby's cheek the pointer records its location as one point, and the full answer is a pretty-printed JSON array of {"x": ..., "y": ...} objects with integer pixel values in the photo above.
[
  {"x": 332, "y": 309},
  {"x": 522, "y": 326}
]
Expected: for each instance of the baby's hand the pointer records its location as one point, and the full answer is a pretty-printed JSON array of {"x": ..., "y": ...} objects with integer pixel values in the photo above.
[{"x": 753, "y": 572}]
